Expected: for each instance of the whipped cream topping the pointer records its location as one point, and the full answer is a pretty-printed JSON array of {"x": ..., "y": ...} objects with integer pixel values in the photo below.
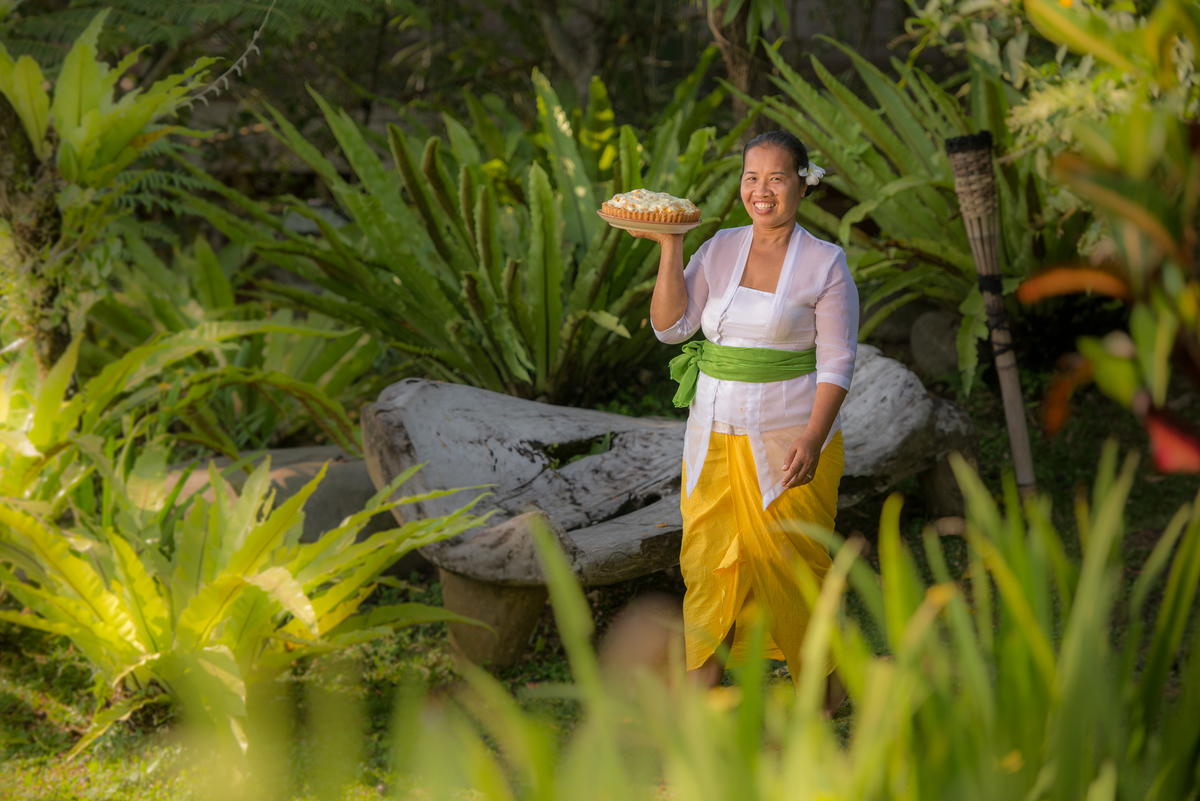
[{"x": 645, "y": 200}]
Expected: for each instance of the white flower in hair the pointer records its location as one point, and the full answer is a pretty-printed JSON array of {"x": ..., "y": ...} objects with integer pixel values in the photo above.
[{"x": 812, "y": 174}]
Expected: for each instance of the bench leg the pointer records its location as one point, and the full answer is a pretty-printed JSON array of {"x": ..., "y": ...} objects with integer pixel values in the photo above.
[{"x": 511, "y": 611}]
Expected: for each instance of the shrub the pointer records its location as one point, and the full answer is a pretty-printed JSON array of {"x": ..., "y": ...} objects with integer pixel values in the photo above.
[
  {"x": 198, "y": 601},
  {"x": 488, "y": 265},
  {"x": 65, "y": 181},
  {"x": 890, "y": 161}
]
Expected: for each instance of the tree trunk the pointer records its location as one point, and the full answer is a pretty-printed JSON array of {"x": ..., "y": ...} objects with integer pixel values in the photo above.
[
  {"x": 29, "y": 206},
  {"x": 747, "y": 69}
]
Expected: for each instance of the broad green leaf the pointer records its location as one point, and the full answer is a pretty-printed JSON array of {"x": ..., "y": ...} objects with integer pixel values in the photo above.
[
  {"x": 209, "y": 281},
  {"x": 631, "y": 160},
  {"x": 609, "y": 322},
  {"x": 461, "y": 144},
  {"x": 206, "y": 609},
  {"x": 973, "y": 328},
  {"x": 268, "y": 535},
  {"x": 46, "y": 415},
  {"x": 543, "y": 274},
  {"x": 142, "y": 597},
  {"x": 72, "y": 575},
  {"x": 32, "y": 104},
  {"x": 283, "y": 587},
  {"x": 485, "y": 130},
  {"x": 579, "y": 202},
  {"x": 1083, "y": 32},
  {"x": 889, "y": 191},
  {"x": 598, "y": 129},
  {"x": 146, "y": 485},
  {"x": 104, "y": 719},
  {"x": 80, "y": 81}
]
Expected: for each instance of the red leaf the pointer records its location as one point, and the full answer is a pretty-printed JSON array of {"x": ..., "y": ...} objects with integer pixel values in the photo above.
[
  {"x": 1071, "y": 371},
  {"x": 1175, "y": 447},
  {"x": 1072, "y": 281}
]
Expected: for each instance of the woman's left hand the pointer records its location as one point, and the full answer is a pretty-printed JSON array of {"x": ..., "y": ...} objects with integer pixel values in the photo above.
[{"x": 801, "y": 465}]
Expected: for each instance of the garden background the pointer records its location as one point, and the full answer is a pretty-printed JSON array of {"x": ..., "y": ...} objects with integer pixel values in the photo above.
[{"x": 225, "y": 227}]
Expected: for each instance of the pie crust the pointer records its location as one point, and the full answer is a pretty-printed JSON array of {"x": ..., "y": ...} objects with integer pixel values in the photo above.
[{"x": 647, "y": 206}]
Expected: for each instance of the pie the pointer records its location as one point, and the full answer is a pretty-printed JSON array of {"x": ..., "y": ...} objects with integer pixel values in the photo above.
[{"x": 642, "y": 204}]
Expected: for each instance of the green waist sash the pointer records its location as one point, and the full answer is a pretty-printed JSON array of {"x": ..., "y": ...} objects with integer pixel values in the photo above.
[{"x": 754, "y": 365}]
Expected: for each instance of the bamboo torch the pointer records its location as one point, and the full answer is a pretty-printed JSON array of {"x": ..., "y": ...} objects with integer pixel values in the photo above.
[{"x": 975, "y": 184}]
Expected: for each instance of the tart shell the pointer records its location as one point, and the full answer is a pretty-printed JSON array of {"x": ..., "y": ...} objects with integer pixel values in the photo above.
[{"x": 651, "y": 216}]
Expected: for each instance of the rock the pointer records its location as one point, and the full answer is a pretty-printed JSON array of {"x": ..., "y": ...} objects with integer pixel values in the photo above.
[
  {"x": 616, "y": 511},
  {"x": 344, "y": 491},
  {"x": 511, "y": 612},
  {"x": 897, "y": 326},
  {"x": 934, "y": 343},
  {"x": 950, "y": 526},
  {"x": 893, "y": 429}
]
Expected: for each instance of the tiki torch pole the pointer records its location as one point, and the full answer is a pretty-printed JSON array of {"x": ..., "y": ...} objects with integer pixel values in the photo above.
[{"x": 975, "y": 184}]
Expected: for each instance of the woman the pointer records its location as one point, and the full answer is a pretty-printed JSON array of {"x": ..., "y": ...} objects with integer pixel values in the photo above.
[{"x": 763, "y": 450}]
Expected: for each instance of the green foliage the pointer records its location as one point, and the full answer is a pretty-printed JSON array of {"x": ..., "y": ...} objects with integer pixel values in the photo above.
[
  {"x": 1053, "y": 87},
  {"x": 153, "y": 298},
  {"x": 196, "y": 599},
  {"x": 503, "y": 276},
  {"x": 961, "y": 709},
  {"x": 52, "y": 442},
  {"x": 62, "y": 198},
  {"x": 1141, "y": 172},
  {"x": 891, "y": 161},
  {"x": 1004, "y": 683},
  {"x": 760, "y": 15}
]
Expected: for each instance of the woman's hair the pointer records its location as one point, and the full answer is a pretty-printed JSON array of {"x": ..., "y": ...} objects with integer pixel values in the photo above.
[{"x": 783, "y": 140}]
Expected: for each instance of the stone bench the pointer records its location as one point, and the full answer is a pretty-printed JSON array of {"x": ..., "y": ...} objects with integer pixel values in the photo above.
[{"x": 607, "y": 484}]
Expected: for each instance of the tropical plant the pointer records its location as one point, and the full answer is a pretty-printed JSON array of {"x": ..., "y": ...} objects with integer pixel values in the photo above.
[
  {"x": 66, "y": 180},
  {"x": 891, "y": 162},
  {"x": 202, "y": 600},
  {"x": 504, "y": 278},
  {"x": 1006, "y": 682},
  {"x": 156, "y": 394},
  {"x": 1060, "y": 86},
  {"x": 152, "y": 298},
  {"x": 1141, "y": 171}
]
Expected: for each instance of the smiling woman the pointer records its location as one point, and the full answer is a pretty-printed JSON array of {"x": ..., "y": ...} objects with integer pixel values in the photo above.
[{"x": 763, "y": 453}]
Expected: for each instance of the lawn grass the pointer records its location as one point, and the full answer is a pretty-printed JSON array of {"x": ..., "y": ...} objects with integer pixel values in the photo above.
[{"x": 45, "y": 685}]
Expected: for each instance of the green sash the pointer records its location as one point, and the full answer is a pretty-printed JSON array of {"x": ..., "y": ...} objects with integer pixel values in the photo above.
[{"x": 754, "y": 365}]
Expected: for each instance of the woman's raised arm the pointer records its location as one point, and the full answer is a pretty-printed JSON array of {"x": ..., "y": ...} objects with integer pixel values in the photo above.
[{"x": 679, "y": 295}]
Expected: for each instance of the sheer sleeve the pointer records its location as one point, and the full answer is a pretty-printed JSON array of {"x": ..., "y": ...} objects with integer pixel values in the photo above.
[
  {"x": 697, "y": 293},
  {"x": 837, "y": 325}
]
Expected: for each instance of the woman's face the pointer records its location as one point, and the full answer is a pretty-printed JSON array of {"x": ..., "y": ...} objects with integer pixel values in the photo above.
[{"x": 771, "y": 187}]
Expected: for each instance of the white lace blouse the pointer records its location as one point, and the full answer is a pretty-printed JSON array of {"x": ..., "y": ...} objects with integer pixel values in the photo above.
[{"x": 815, "y": 303}]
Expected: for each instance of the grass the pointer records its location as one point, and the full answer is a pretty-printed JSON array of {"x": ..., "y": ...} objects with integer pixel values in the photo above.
[{"x": 45, "y": 686}]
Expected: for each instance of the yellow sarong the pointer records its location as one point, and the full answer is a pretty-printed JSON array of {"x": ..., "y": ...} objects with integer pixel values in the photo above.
[{"x": 736, "y": 557}]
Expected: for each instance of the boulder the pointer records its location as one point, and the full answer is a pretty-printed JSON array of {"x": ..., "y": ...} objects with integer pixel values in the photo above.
[
  {"x": 896, "y": 328},
  {"x": 892, "y": 428},
  {"x": 933, "y": 341}
]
